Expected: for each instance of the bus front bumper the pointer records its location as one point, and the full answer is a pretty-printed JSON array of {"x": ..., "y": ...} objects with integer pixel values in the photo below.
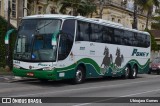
[{"x": 40, "y": 74}]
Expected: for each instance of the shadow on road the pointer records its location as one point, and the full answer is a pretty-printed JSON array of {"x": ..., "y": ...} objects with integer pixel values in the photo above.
[{"x": 67, "y": 82}]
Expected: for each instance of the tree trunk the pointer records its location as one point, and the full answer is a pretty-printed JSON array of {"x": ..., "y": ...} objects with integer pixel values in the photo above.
[
  {"x": 101, "y": 9},
  {"x": 149, "y": 16},
  {"x": 135, "y": 16},
  {"x": 147, "y": 20}
]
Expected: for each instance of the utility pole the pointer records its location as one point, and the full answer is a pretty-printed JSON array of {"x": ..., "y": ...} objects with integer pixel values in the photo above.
[
  {"x": 8, "y": 64},
  {"x": 135, "y": 15},
  {"x": 9, "y": 12}
]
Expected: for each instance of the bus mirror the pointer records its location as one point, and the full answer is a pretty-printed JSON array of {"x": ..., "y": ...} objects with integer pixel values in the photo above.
[
  {"x": 7, "y": 36},
  {"x": 54, "y": 41},
  {"x": 54, "y": 38}
]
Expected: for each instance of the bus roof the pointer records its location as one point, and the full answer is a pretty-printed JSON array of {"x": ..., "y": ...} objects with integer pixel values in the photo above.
[
  {"x": 48, "y": 16},
  {"x": 92, "y": 20}
]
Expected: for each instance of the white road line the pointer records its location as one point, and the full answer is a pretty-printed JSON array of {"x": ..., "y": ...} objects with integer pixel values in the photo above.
[
  {"x": 71, "y": 90},
  {"x": 83, "y": 104},
  {"x": 140, "y": 93}
]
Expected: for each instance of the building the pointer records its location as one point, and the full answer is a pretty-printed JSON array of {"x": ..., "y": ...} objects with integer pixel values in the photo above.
[
  {"x": 17, "y": 10},
  {"x": 121, "y": 11},
  {"x": 156, "y": 34}
]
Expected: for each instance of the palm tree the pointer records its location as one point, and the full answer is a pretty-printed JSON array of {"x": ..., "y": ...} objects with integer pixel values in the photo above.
[
  {"x": 86, "y": 8},
  {"x": 73, "y": 4},
  {"x": 134, "y": 25},
  {"x": 148, "y": 6},
  {"x": 82, "y": 7}
]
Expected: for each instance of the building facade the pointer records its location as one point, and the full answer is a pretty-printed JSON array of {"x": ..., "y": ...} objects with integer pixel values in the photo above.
[
  {"x": 17, "y": 10},
  {"x": 120, "y": 11}
]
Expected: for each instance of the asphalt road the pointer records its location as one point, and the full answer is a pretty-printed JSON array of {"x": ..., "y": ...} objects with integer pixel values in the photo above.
[{"x": 113, "y": 88}]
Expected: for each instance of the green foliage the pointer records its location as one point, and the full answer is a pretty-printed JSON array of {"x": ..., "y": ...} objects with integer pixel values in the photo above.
[
  {"x": 83, "y": 7},
  {"x": 154, "y": 45},
  {"x": 3, "y": 30},
  {"x": 156, "y": 21}
]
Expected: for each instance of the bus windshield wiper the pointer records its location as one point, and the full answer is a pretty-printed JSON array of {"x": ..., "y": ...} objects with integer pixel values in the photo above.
[{"x": 44, "y": 25}]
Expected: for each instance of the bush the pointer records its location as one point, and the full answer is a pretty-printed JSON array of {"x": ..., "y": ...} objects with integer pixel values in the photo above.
[
  {"x": 154, "y": 45},
  {"x": 3, "y": 30}
]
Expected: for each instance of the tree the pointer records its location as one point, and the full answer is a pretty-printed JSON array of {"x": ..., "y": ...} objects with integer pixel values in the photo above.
[
  {"x": 148, "y": 6},
  {"x": 101, "y": 4},
  {"x": 156, "y": 21},
  {"x": 135, "y": 15},
  {"x": 82, "y": 7},
  {"x": 87, "y": 8}
]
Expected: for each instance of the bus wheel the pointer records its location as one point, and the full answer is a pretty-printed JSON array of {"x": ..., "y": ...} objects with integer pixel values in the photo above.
[
  {"x": 127, "y": 72},
  {"x": 133, "y": 73},
  {"x": 79, "y": 76}
]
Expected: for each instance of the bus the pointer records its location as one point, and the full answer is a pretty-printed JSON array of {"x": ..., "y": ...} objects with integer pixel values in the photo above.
[{"x": 57, "y": 47}]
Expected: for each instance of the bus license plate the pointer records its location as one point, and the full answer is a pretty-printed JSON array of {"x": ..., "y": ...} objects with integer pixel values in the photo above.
[{"x": 30, "y": 74}]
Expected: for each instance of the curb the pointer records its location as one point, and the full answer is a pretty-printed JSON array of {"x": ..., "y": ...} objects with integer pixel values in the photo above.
[{"x": 9, "y": 78}]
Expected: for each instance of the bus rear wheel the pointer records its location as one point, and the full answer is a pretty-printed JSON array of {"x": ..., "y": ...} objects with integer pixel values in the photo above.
[
  {"x": 133, "y": 73},
  {"x": 126, "y": 72},
  {"x": 79, "y": 75}
]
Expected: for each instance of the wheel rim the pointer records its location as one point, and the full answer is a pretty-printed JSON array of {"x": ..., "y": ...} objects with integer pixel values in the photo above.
[
  {"x": 134, "y": 72},
  {"x": 79, "y": 75},
  {"x": 127, "y": 72}
]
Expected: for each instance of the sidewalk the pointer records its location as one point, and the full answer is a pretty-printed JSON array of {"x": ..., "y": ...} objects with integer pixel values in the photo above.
[{"x": 10, "y": 78}]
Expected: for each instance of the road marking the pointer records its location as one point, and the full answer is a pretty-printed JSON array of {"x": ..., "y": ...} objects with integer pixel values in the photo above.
[
  {"x": 83, "y": 104},
  {"x": 140, "y": 93},
  {"x": 71, "y": 90}
]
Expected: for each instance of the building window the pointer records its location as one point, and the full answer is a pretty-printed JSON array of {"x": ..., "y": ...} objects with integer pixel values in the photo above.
[
  {"x": 142, "y": 27},
  {"x": 113, "y": 19},
  {"x": 13, "y": 10},
  {"x": 39, "y": 10},
  {"x": 119, "y": 20}
]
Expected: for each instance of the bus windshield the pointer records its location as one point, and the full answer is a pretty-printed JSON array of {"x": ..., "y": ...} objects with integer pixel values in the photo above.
[{"x": 34, "y": 40}]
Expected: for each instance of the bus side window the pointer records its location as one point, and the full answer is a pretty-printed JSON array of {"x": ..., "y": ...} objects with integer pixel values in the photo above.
[
  {"x": 129, "y": 38},
  {"x": 66, "y": 39},
  {"x": 118, "y": 34},
  {"x": 82, "y": 31},
  {"x": 148, "y": 40},
  {"x": 135, "y": 42}
]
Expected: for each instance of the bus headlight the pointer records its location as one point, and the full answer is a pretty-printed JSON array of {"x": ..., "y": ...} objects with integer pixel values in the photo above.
[
  {"x": 48, "y": 68},
  {"x": 16, "y": 66}
]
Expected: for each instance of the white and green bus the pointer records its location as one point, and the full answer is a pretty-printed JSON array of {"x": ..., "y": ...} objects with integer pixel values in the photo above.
[{"x": 56, "y": 47}]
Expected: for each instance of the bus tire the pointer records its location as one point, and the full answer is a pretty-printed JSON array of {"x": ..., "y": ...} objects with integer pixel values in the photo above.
[
  {"x": 133, "y": 73},
  {"x": 79, "y": 75},
  {"x": 127, "y": 72}
]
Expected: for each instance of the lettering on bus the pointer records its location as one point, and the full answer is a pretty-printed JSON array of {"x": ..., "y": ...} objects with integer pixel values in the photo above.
[
  {"x": 40, "y": 64},
  {"x": 137, "y": 53}
]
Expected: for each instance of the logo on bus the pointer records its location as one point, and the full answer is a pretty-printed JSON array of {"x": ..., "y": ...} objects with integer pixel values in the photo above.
[{"x": 138, "y": 53}]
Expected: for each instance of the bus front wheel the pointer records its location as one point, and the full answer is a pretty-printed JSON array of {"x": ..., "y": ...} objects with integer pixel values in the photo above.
[{"x": 79, "y": 75}]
